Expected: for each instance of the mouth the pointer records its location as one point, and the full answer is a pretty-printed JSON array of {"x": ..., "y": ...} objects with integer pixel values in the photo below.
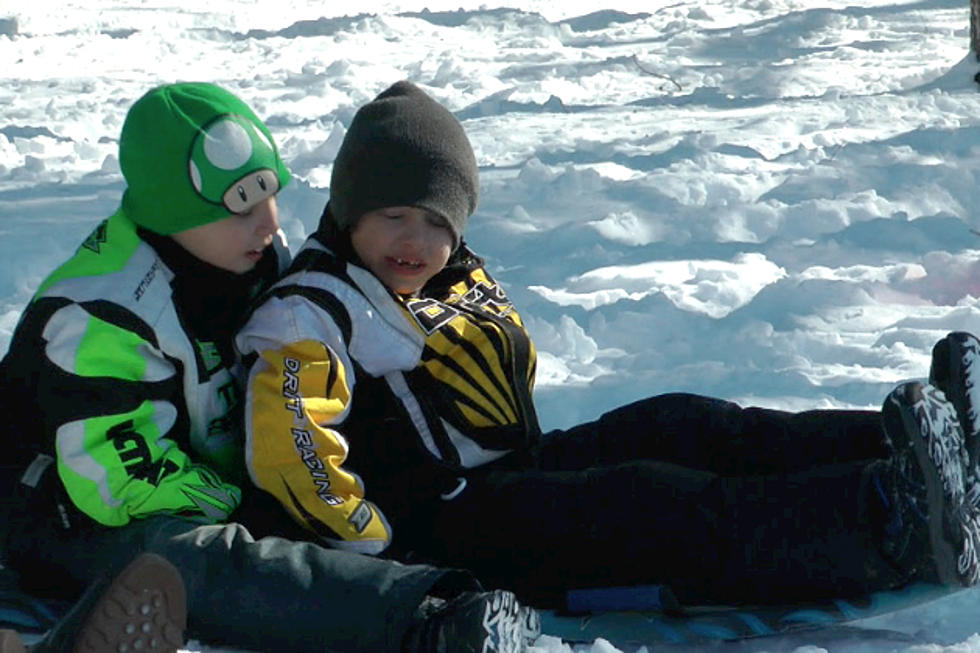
[
  {"x": 404, "y": 264},
  {"x": 254, "y": 254}
]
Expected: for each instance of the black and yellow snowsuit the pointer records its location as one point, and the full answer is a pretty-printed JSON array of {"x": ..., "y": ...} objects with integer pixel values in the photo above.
[{"x": 405, "y": 425}]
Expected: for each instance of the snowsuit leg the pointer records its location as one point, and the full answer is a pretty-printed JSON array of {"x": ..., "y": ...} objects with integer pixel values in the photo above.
[
  {"x": 270, "y": 594},
  {"x": 716, "y": 435},
  {"x": 767, "y": 538}
]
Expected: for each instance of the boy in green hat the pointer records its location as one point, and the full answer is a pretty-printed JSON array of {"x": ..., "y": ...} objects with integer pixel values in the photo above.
[{"x": 123, "y": 430}]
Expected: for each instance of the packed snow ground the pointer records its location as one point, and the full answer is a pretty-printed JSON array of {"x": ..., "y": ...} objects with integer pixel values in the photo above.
[{"x": 772, "y": 201}]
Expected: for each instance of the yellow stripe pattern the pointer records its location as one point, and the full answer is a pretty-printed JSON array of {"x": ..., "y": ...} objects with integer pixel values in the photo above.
[{"x": 468, "y": 351}]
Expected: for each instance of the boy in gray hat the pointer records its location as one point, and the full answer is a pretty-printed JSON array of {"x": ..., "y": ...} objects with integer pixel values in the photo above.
[{"x": 388, "y": 408}]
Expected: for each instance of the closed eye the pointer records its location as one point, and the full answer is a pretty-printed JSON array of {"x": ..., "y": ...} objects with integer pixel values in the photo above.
[{"x": 436, "y": 220}]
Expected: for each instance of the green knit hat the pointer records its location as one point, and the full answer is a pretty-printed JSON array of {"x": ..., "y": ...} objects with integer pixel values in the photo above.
[{"x": 193, "y": 153}]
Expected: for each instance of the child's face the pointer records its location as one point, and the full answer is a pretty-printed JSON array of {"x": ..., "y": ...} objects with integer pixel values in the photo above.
[
  {"x": 403, "y": 246},
  {"x": 236, "y": 242}
]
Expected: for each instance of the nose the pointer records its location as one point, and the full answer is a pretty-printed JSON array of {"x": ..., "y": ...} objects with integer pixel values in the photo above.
[
  {"x": 413, "y": 232},
  {"x": 266, "y": 215}
]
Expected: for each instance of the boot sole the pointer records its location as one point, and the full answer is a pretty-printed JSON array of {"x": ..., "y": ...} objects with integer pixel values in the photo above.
[
  {"x": 143, "y": 609},
  {"x": 941, "y": 461},
  {"x": 955, "y": 356},
  {"x": 503, "y": 623}
]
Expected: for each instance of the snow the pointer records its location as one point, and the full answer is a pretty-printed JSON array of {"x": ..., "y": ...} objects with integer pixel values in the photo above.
[{"x": 771, "y": 201}]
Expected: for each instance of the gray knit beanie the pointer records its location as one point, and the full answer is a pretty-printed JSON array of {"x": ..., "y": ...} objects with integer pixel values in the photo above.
[{"x": 404, "y": 149}]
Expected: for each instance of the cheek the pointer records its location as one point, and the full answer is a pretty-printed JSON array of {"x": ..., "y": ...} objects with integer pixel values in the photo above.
[
  {"x": 442, "y": 241},
  {"x": 223, "y": 244},
  {"x": 243, "y": 235},
  {"x": 444, "y": 253},
  {"x": 369, "y": 243},
  {"x": 446, "y": 250},
  {"x": 357, "y": 244}
]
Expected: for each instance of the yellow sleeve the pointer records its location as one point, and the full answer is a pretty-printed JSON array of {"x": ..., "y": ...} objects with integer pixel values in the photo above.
[{"x": 296, "y": 396}]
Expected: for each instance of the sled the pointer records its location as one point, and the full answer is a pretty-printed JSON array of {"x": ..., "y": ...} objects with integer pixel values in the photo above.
[{"x": 662, "y": 622}]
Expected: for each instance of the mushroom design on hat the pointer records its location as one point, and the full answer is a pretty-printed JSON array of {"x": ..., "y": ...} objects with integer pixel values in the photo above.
[{"x": 232, "y": 163}]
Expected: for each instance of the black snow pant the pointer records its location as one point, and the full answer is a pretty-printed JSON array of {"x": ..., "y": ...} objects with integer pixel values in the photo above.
[
  {"x": 266, "y": 594},
  {"x": 722, "y": 504}
]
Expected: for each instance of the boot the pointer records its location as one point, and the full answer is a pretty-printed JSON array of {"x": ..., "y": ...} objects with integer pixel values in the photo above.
[
  {"x": 930, "y": 530},
  {"x": 143, "y": 608},
  {"x": 955, "y": 370},
  {"x": 474, "y": 622}
]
